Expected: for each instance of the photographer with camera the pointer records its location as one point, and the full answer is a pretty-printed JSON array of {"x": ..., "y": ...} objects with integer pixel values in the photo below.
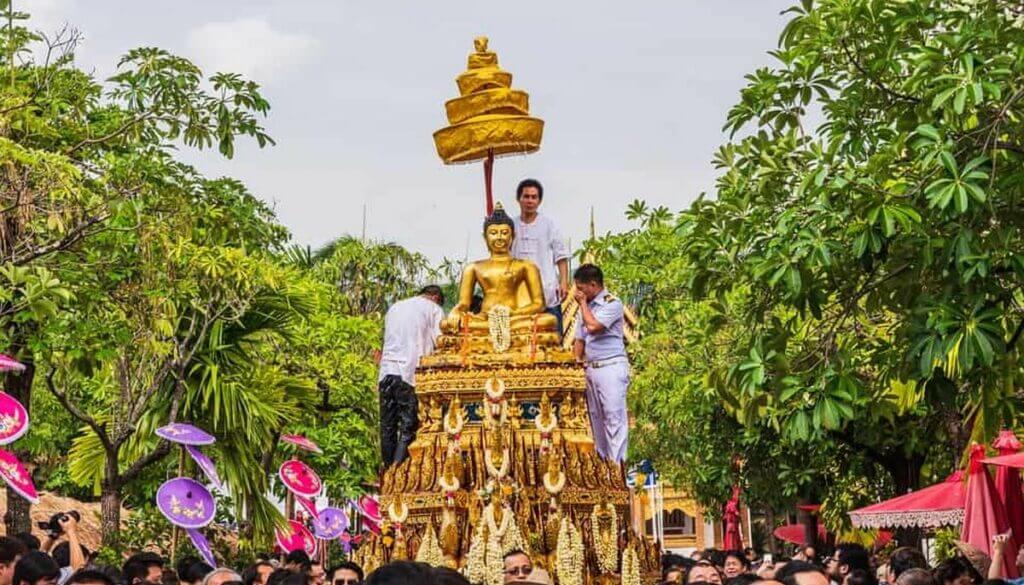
[{"x": 70, "y": 555}]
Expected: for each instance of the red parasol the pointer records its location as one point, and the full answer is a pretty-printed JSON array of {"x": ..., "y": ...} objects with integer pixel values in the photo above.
[
  {"x": 984, "y": 515},
  {"x": 941, "y": 504},
  {"x": 733, "y": 539},
  {"x": 794, "y": 533},
  {"x": 1008, "y": 480}
]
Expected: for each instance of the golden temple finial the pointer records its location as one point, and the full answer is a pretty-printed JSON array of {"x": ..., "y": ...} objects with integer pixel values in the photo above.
[{"x": 480, "y": 44}]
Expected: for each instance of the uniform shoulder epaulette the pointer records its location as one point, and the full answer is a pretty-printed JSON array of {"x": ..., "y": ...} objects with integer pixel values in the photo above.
[{"x": 609, "y": 298}]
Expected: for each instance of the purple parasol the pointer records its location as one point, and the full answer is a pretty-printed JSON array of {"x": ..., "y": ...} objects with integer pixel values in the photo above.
[
  {"x": 9, "y": 364},
  {"x": 331, "y": 523},
  {"x": 16, "y": 476},
  {"x": 300, "y": 479},
  {"x": 186, "y": 502},
  {"x": 185, "y": 434},
  {"x": 13, "y": 419},
  {"x": 206, "y": 464},
  {"x": 302, "y": 443},
  {"x": 298, "y": 537},
  {"x": 202, "y": 545}
]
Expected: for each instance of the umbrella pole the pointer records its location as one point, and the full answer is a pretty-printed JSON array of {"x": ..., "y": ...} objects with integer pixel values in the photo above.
[
  {"x": 175, "y": 531},
  {"x": 488, "y": 176}
]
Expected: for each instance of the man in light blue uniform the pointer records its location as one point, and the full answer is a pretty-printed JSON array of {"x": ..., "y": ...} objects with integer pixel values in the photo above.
[{"x": 601, "y": 347}]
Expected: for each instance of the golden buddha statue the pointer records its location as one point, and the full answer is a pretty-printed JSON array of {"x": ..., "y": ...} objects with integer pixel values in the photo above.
[{"x": 512, "y": 315}]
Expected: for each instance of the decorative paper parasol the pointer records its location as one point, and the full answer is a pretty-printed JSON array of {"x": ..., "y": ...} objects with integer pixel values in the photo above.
[
  {"x": 309, "y": 505},
  {"x": 488, "y": 118},
  {"x": 938, "y": 505},
  {"x": 302, "y": 443},
  {"x": 984, "y": 515},
  {"x": 16, "y": 476},
  {"x": 300, "y": 479},
  {"x": 298, "y": 538},
  {"x": 202, "y": 545},
  {"x": 369, "y": 508},
  {"x": 186, "y": 502},
  {"x": 206, "y": 464},
  {"x": 185, "y": 434},
  {"x": 13, "y": 419},
  {"x": 9, "y": 364},
  {"x": 330, "y": 524}
]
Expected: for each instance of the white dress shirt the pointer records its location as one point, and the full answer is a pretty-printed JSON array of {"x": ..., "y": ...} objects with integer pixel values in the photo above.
[
  {"x": 541, "y": 242},
  {"x": 411, "y": 327}
]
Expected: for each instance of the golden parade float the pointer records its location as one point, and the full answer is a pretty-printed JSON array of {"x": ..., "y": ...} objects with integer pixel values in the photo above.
[{"x": 504, "y": 457}]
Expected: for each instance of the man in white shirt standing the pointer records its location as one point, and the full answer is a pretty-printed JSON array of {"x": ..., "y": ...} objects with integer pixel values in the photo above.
[
  {"x": 538, "y": 239},
  {"x": 411, "y": 327}
]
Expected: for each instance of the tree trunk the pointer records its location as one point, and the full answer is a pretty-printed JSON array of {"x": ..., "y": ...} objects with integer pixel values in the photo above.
[
  {"x": 110, "y": 516},
  {"x": 19, "y": 385},
  {"x": 906, "y": 477},
  {"x": 769, "y": 516}
]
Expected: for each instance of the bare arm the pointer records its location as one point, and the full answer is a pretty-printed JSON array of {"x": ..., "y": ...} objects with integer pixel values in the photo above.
[
  {"x": 70, "y": 527},
  {"x": 563, "y": 278},
  {"x": 577, "y": 349},
  {"x": 995, "y": 570},
  {"x": 590, "y": 322}
]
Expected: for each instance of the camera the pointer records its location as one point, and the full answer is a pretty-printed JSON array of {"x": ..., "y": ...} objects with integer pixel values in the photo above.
[{"x": 52, "y": 526}]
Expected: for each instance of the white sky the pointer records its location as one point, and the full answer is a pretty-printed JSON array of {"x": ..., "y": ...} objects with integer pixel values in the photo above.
[{"x": 633, "y": 95}]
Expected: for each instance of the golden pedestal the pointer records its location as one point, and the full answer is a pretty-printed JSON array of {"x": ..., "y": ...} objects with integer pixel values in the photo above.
[{"x": 494, "y": 431}]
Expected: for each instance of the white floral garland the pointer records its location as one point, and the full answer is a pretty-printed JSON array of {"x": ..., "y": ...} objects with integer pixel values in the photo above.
[
  {"x": 499, "y": 323},
  {"x": 569, "y": 552},
  {"x": 554, "y": 487},
  {"x": 494, "y": 471},
  {"x": 605, "y": 545},
  {"x": 454, "y": 432},
  {"x": 493, "y": 530},
  {"x": 430, "y": 549},
  {"x": 398, "y": 517},
  {"x": 630, "y": 567},
  {"x": 476, "y": 559},
  {"x": 492, "y": 395}
]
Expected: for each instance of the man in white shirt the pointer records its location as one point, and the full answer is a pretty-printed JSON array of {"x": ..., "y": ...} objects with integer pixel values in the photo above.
[
  {"x": 411, "y": 327},
  {"x": 538, "y": 239}
]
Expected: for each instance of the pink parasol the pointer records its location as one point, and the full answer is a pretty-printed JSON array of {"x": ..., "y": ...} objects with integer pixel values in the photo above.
[
  {"x": 302, "y": 443},
  {"x": 298, "y": 537},
  {"x": 13, "y": 419},
  {"x": 937, "y": 505},
  {"x": 9, "y": 364},
  {"x": 1008, "y": 481},
  {"x": 300, "y": 479},
  {"x": 733, "y": 539},
  {"x": 984, "y": 515},
  {"x": 17, "y": 477}
]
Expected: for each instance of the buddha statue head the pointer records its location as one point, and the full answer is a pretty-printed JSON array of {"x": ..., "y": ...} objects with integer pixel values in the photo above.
[{"x": 499, "y": 231}]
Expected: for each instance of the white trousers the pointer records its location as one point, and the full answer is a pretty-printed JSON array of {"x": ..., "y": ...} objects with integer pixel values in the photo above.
[{"x": 606, "y": 401}]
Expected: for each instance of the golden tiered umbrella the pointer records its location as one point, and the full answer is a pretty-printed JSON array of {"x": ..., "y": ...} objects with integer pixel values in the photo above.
[{"x": 488, "y": 119}]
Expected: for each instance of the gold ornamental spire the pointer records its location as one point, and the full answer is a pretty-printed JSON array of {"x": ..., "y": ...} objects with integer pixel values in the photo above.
[{"x": 489, "y": 118}]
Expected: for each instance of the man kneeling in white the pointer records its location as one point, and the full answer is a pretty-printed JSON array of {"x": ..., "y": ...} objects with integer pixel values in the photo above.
[{"x": 600, "y": 345}]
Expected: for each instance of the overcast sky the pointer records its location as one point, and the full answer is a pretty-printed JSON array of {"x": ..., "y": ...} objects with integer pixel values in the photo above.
[{"x": 633, "y": 95}]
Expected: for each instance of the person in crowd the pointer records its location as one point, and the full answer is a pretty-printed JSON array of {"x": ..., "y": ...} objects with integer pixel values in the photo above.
[
  {"x": 742, "y": 579},
  {"x": 601, "y": 346},
  {"x": 36, "y": 568},
  {"x": 735, "y": 564},
  {"x": 401, "y": 573},
  {"x": 537, "y": 576},
  {"x": 30, "y": 541},
  {"x": 538, "y": 239},
  {"x": 673, "y": 567},
  {"x": 90, "y": 577},
  {"x": 995, "y": 570},
  {"x": 257, "y": 573},
  {"x": 411, "y": 327},
  {"x": 67, "y": 561},
  {"x": 902, "y": 560},
  {"x": 446, "y": 576},
  {"x": 517, "y": 566},
  {"x": 11, "y": 549},
  {"x": 847, "y": 557},
  {"x": 143, "y": 569},
  {"x": 801, "y": 573},
  {"x": 956, "y": 571},
  {"x": 317, "y": 574},
  {"x": 916, "y": 576},
  {"x": 703, "y": 572},
  {"x": 346, "y": 573},
  {"x": 860, "y": 577},
  {"x": 298, "y": 561},
  {"x": 221, "y": 576},
  {"x": 751, "y": 554},
  {"x": 279, "y": 576},
  {"x": 191, "y": 570}
]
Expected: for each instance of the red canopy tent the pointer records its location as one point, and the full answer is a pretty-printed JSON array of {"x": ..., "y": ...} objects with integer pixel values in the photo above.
[
  {"x": 941, "y": 504},
  {"x": 794, "y": 533},
  {"x": 984, "y": 515},
  {"x": 1008, "y": 483}
]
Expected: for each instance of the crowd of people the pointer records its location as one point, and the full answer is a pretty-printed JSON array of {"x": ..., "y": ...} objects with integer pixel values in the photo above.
[{"x": 848, "y": 564}]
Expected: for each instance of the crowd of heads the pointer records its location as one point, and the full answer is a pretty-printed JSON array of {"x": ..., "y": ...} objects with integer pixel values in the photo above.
[{"x": 845, "y": 564}]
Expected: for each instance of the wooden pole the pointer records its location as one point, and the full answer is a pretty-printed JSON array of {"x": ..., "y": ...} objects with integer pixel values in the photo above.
[{"x": 488, "y": 176}]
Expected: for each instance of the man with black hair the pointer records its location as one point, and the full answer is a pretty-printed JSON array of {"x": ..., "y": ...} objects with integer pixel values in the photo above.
[
  {"x": 411, "y": 327},
  {"x": 517, "y": 566},
  {"x": 801, "y": 573},
  {"x": 601, "y": 346},
  {"x": 257, "y": 573},
  {"x": 90, "y": 577},
  {"x": 192, "y": 570},
  {"x": 36, "y": 568},
  {"x": 144, "y": 568},
  {"x": 539, "y": 240},
  {"x": 346, "y": 573},
  {"x": 848, "y": 556},
  {"x": 11, "y": 549},
  {"x": 298, "y": 561},
  {"x": 902, "y": 560}
]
